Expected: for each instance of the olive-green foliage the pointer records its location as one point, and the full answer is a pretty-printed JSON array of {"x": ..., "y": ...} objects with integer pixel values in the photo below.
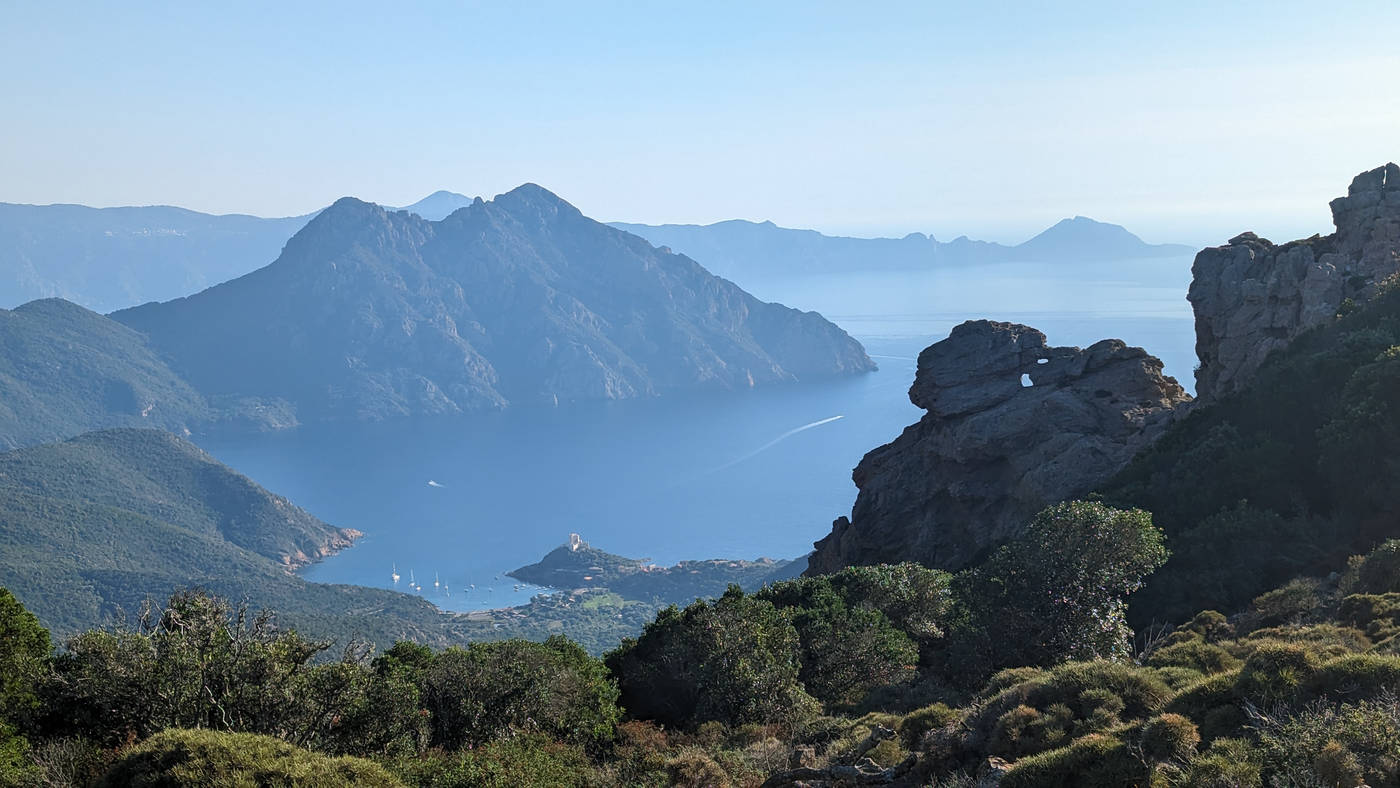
[
  {"x": 919, "y": 722},
  {"x": 24, "y": 659},
  {"x": 1196, "y": 655},
  {"x": 1310, "y": 445},
  {"x": 1353, "y": 677},
  {"x": 1169, "y": 737},
  {"x": 734, "y": 660},
  {"x": 1274, "y": 672},
  {"x": 1348, "y": 744},
  {"x": 16, "y": 768},
  {"x": 1057, "y": 592},
  {"x": 199, "y": 662},
  {"x": 1378, "y": 572},
  {"x": 202, "y": 757},
  {"x": 1212, "y": 704},
  {"x": 849, "y": 646},
  {"x": 1228, "y": 763},
  {"x": 1068, "y": 701},
  {"x": 529, "y": 759},
  {"x": 488, "y": 691},
  {"x": 1291, "y": 603},
  {"x": 1093, "y": 761},
  {"x": 1378, "y": 615}
]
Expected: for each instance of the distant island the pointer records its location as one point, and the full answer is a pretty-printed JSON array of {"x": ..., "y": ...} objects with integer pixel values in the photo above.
[{"x": 743, "y": 250}]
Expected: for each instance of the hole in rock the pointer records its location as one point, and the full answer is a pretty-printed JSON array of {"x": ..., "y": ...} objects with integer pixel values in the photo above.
[
  {"x": 1026, "y": 380},
  {"x": 1042, "y": 361}
]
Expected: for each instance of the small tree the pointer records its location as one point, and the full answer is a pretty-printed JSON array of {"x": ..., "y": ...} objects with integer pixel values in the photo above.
[
  {"x": 490, "y": 691},
  {"x": 734, "y": 660},
  {"x": 24, "y": 659},
  {"x": 1058, "y": 592}
]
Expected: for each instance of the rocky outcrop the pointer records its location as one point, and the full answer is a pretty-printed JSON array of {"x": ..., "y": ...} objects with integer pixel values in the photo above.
[
  {"x": 1252, "y": 297},
  {"x": 1012, "y": 425}
]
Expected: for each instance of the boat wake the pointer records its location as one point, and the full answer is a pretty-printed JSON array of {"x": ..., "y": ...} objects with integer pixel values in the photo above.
[{"x": 774, "y": 442}]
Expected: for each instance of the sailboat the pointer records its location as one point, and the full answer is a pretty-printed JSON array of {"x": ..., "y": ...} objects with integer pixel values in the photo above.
[
  {"x": 394, "y": 572},
  {"x": 436, "y": 584}
]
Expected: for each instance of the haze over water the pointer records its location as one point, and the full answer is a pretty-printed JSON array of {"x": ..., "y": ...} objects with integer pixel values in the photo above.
[{"x": 739, "y": 475}]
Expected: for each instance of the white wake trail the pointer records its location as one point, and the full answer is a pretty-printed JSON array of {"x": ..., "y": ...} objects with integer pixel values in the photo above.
[{"x": 775, "y": 442}]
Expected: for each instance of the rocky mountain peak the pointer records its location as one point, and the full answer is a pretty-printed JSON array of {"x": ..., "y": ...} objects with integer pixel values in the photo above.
[
  {"x": 1252, "y": 297},
  {"x": 1013, "y": 424}
]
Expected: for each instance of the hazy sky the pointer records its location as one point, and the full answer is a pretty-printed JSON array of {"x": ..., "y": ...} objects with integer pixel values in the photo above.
[{"x": 1187, "y": 121}]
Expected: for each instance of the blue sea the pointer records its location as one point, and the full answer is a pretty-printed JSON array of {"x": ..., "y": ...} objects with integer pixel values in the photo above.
[{"x": 461, "y": 501}]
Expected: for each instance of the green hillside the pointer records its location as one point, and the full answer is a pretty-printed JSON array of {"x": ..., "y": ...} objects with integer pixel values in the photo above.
[
  {"x": 66, "y": 370},
  {"x": 1289, "y": 476},
  {"x": 103, "y": 521}
]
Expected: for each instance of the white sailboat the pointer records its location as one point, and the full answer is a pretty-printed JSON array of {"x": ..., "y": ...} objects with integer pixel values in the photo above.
[
  {"x": 394, "y": 573},
  {"x": 436, "y": 584}
]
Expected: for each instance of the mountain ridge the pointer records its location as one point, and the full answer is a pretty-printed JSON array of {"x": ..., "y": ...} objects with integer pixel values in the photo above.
[{"x": 371, "y": 313}]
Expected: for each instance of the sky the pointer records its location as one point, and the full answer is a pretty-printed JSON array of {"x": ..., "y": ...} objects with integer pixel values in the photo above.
[{"x": 1184, "y": 121}]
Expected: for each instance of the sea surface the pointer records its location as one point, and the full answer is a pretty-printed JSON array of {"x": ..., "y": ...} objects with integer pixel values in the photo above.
[{"x": 461, "y": 501}]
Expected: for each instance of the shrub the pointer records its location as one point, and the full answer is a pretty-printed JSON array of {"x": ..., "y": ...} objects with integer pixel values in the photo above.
[
  {"x": 203, "y": 757},
  {"x": 1196, "y": 655},
  {"x": 494, "y": 690},
  {"x": 733, "y": 660},
  {"x": 24, "y": 657},
  {"x": 524, "y": 760},
  {"x": 1067, "y": 701},
  {"x": 1353, "y": 677},
  {"x": 16, "y": 768},
  {"x": 1350, "y": 744},
  {"x": 1057, "y": 592},
  {"x": 1213, "y": 704},
  {"x": 1378, "y": 615},
  {"x": 1290, "y": 604},
  {"x": 1169, "y": 737},
  {"x": 1229, "y": 763},
  {"x": 1323, "y": 641},
  {"x": 916, "y": 723},
  {"x": 1094, "y": 761},
  {"x": 694, "y": 768},
  {"x": 1274, "y": 672}
]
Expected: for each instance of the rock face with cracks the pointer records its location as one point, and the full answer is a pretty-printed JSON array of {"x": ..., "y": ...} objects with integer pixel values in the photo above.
[
  {"x": 1252, "y": 297},
  {"x": 1012, "y": 426}
]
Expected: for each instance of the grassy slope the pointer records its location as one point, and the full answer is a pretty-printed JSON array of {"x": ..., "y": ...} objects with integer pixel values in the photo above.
[{"x": 64, "y": 370}]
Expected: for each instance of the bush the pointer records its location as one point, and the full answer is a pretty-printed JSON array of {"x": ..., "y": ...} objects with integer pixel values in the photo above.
[
  {"x": 1213, "y": 704},
  {"x": 1229, "y": 763},
  {"x": 24, "y": 658},
  {"x": 1094, "y": 761},
  {"x": 523, "y": 760},
  {"x": 916, "y": 723},
  {"x": 694, "y": 768},
  {"x": 1057, "y": 592},
  {"x": 495, "y": 690},
  {"x": 1348, "y": 745},
  {"x": 1378, "y": 615},
  {"x": 733, "y": 660},
  {"x": 1376, "y": 573},
  {"x": 1169, "y": 737},
  {"x": 1274, "y": 672},
  {"x": 1195, "y": 655},
  {"x": 203, "y": 757},
  {"x": 1290, "y": 604},
  {"x": 1068, "y": 701},
  {"x": 1353, "y": 677}
]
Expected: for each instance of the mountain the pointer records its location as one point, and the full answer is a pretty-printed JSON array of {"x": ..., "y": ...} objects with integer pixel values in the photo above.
[
  {"x": 739, "y": 249},
  {"x": 109, "y": 258},
  {"x": 369, "y": 314},
  {"x": 113, "y": 258},
  {"x": 438, "y": 205},
  {"x": 65, "y": 370},
  {"x": 107, "y": 519}
]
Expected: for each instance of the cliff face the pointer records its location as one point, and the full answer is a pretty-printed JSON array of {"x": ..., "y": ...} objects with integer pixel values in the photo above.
[
  {"x": 992, "y": 450},
  {"x": 1252, "y": 297},
  {"x": 371, "y": 314}
]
